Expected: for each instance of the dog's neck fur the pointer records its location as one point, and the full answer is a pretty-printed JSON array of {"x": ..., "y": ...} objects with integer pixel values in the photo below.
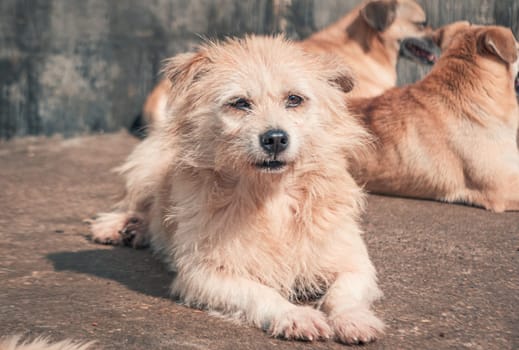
[
  {"x": 469, "y": 90},
  {"x": 472, "y": 86},
  {"x": 249, "y": 192},
  {"x": 265, "y": 209}
]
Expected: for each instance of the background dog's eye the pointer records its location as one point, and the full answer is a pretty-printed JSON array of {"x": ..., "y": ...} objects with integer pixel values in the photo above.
[
  {"x": 294, "y": 101},
  {"x": 421, "y": 25},
  {"x": 241, "y": 103}
]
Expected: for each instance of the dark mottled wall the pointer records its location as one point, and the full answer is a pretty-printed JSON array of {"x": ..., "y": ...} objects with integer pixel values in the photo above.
[{"x": 74, "y": 66}]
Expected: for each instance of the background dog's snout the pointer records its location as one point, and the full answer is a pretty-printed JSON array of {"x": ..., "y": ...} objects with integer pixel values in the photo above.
[{"x": 274, "y": 141}]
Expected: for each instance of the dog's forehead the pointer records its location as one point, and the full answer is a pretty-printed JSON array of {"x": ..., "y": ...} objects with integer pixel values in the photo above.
[
  {"x": 259, "y": 70},
  {"x": 410, "y": 10},
  {"x": 449, "y": 31},
  {"x": 256, "y": 80}
]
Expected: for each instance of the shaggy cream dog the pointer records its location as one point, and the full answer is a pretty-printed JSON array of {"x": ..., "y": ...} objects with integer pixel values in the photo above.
[
  {"x": 16, "y": 343},
  {"x": 243, "y": 191}
]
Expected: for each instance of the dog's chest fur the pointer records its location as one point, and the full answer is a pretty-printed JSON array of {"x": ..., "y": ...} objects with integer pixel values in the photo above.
[{"x": 283, "y": 233}]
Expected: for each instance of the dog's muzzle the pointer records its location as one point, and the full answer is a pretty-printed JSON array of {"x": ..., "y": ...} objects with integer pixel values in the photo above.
[
  {"x": 271, "y": 165},
  {"x": 273, "y": 142},
  {"x": 419, "y": 50}
]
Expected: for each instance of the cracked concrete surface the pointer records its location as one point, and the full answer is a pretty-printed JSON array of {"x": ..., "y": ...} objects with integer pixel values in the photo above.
[{"x": 450, "y": 273}]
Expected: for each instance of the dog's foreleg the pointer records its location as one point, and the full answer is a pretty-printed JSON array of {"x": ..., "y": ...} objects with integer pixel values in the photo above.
[
  {"x": 120, "y": 228},
  {"x": 348, "y": 300},
  {"x": 257, "y": 303},
  {"x": 349, "y": 311}
]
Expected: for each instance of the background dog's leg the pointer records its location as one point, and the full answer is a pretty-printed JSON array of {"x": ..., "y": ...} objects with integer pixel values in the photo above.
[
  {"x": 512, "y": 203},
  {"x": 347, "y": 302},
  {"x": 504, "y": 195},
  {"x": 258, "y": 304}
]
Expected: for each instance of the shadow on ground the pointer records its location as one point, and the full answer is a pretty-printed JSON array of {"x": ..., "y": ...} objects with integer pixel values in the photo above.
[{"x": 123, "y": 265}]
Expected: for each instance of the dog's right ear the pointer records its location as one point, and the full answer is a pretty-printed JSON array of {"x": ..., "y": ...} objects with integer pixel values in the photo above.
[
  {"x": 500, "y": 42},
  {"x": 184, "y": 69},
  {"x": 379, "y": 14},
  {"x": 337, "y": 73},
  {"x": 344, "y": 79}
]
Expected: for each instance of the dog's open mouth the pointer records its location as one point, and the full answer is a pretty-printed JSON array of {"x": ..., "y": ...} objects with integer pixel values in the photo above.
[
  {"x": 271, "y": 165},
  {"x": 418, "y": 50},
  {"x": 517, "y": 85}
]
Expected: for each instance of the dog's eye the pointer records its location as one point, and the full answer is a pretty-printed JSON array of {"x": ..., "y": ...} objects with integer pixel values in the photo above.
[
  {"x": 241, "y": 103},
  {"x": 293, "y": 101},
  {"x": 421, "y": 25}
]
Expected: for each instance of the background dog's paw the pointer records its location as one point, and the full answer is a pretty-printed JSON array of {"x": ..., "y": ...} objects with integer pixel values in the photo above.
[
  {"x": 119, "y": 229},
  {"x": 301, "y": 323},
  {"x": 357, "y": 326}
]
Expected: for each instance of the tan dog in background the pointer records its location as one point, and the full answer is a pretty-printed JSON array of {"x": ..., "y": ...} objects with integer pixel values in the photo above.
[
  {"x": 369, "y": 39},
  {"x": 243, "y": 192},
  {"x": 451, "y": 136}
]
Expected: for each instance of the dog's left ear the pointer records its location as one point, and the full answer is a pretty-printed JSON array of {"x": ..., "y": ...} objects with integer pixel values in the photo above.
[
  {"x": 498, "y": 41},
  {"x": 379, "y": 14}
]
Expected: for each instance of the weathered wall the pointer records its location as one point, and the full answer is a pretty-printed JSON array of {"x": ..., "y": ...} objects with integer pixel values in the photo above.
[{"x": 73, "y": 66}]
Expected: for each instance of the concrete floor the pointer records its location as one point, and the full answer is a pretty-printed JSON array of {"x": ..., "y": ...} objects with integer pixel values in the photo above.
[{"x": 450, "y": 273}]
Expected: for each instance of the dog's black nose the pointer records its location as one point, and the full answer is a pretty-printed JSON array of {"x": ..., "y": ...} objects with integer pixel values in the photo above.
[{"x": 274, "y": 141}]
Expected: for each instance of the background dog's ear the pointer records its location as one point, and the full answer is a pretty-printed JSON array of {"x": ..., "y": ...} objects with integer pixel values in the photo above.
[
  {"x": 185, "y": 69},
  {"x": 379, "y": 14},
  {"x": 500, "y": 42}
]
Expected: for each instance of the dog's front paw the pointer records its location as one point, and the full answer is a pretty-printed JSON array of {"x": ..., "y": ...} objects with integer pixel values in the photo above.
[
  {"x": 356, "y": 326},
  {"x": 119, "y": 229},
  {"x": 134, "y": 232},
  {"x": 301, "y": 323}
]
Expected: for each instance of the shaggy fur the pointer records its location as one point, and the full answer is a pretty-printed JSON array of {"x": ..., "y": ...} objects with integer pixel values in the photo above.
[
  {"x": 368, "y": 39},
  {"x": 452, "y": 136},
  {"x": 16, "y": 343},
  {"x": 246, "y": 240}
]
